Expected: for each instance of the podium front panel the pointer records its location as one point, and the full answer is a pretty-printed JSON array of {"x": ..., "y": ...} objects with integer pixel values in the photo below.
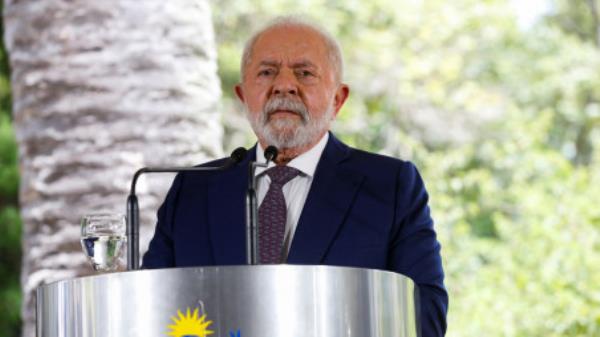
[{"x": 237, "y": 301}]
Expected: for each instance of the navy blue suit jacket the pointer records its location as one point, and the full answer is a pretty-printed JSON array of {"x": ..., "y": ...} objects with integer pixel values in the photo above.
[{"x": 363, "y": 210}]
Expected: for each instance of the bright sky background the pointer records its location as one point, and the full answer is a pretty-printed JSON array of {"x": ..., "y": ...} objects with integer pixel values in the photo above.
[{"x": 529, "y": 11}]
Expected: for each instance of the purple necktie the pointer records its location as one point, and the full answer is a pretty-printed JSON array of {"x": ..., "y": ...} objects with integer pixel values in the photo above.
[{"x": 272, "y": 215}]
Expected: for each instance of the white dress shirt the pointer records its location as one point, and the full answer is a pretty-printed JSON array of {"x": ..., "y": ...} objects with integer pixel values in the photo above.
[{"x": 296, "y": 190}]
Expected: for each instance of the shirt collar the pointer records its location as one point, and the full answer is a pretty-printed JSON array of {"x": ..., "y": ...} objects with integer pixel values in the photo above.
[{"x": 305, "y": 163}]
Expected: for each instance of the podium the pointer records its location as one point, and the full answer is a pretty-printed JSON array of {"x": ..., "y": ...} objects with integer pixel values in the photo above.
[{"x": 232, "y": 301}]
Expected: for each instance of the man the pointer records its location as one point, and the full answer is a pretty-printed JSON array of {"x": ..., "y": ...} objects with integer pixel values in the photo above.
[{"x": 341, "y": 206}]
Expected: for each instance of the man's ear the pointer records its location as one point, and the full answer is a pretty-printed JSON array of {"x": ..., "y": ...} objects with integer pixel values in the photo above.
[
  {"x": 341, "y": 95},
  {"x": 239, "y": 92}
]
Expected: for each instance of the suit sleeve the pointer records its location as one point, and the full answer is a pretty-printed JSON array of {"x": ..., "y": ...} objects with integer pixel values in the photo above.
[
  {"x": 415, "y": 251},
  {"x": 161, "y": 252}
]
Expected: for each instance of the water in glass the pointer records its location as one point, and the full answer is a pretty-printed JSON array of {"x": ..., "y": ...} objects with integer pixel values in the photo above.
[{"x": 102, "y": 239}]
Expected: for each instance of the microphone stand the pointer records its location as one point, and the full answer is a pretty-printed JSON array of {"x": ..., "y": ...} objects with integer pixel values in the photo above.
[
  {"x": 133, "y": 211},
  {"x": 252, "y": 207}
]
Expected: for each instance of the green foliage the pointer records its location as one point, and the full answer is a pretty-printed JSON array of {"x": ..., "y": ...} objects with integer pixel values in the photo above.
[
  {"x": 9, "y": 176},
  {"x": 576, "y": 17},
  {"x": 10, "y": 222},
  {"x": 504, "y": 124},
  {"x": 536, "y": 276}
]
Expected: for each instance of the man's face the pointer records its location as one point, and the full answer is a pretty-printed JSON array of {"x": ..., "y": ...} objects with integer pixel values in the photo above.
[{"x": 289, "y": 88}]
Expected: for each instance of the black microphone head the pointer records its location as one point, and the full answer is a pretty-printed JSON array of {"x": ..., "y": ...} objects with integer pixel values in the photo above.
[
  {"x": 271, "y": 153},
  {"x": 238, "y": 155}
]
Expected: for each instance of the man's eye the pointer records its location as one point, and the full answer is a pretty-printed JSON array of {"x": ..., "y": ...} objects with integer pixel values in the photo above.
[
  {"x": 265, "y": 72},
  {"x": 305, "y": 73}
]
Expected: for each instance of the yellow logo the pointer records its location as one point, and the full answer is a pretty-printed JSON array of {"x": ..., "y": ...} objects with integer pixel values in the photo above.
[{"x": 189, "y": 325}]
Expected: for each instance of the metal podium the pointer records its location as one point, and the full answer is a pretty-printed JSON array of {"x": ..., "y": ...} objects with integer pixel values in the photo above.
[{"x": 236, "y": 301}]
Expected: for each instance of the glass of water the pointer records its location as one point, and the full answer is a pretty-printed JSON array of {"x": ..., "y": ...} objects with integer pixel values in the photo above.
[{"x": 102, "y": 239}]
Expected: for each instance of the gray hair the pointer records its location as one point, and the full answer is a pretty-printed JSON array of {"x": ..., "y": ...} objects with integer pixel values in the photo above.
[{"x": 333, "y": 47}]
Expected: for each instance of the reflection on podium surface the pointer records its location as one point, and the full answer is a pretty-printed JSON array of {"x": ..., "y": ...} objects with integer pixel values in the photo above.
[{"x": 235, "y": 301}]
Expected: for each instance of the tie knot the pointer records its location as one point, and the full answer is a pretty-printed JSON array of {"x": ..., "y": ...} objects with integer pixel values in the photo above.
[{"x": 282, "y": 174}]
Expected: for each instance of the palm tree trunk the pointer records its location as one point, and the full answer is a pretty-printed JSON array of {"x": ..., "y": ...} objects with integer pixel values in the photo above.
[{"x": 101, "y": 88}]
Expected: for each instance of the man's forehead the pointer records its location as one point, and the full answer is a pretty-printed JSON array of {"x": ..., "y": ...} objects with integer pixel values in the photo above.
[{"x": 289, "y": 40}]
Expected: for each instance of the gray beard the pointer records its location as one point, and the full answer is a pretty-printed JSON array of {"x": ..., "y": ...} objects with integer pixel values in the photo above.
[{"x": 285, "y": 133}]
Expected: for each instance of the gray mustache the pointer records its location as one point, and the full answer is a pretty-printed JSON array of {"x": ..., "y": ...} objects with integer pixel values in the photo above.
[{"x": 283, "y": 103}]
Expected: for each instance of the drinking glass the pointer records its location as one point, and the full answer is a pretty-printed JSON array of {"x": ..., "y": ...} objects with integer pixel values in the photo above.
[{"x": 102, "y": 239}]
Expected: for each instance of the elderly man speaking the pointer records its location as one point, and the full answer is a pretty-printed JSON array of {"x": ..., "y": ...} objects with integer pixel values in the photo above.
[{"x": 321, "y": 202}]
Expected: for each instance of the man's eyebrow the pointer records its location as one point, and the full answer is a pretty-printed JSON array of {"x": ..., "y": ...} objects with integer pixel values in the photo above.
[
  {"x": 303, "y": 63},
  {"x": 270, "y": 63},
  {"x": 296, "y": 64}
]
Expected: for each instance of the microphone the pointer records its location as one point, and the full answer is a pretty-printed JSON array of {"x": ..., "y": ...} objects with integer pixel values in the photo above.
[
  {"x": 271, "y": 153},
  {"x": 237, "y": 156},
  {"x": 252, "y": 206},
  {"x": 133, "y": 212}
]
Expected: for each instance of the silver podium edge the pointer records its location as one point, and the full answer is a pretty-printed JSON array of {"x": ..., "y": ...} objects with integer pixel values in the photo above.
[{"x": 231, "y": 301}]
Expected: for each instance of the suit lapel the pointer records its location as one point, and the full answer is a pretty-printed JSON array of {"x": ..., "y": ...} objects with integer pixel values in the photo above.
[
  {"x": 331, "y": 194},
  {"x": 227, "y": 213}
]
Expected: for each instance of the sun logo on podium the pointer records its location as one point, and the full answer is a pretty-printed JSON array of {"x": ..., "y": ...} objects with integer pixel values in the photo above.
[{"x": 189, "y": 325}]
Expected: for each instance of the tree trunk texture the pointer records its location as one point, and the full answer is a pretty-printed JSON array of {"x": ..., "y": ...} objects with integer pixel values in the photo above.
[{"x": 101, "y": 88}]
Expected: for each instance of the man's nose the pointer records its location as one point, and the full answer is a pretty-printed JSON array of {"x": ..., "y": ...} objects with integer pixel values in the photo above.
[{"x": 285, "y": 84}]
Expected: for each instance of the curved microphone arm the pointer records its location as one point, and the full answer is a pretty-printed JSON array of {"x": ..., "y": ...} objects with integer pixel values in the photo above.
[{"x": 133, "y": 211}]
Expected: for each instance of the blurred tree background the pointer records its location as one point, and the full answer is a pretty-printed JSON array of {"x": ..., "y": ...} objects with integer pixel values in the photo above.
[
  {"x": 10, "y": 224},
  {"x": 501, "y": 117}
]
